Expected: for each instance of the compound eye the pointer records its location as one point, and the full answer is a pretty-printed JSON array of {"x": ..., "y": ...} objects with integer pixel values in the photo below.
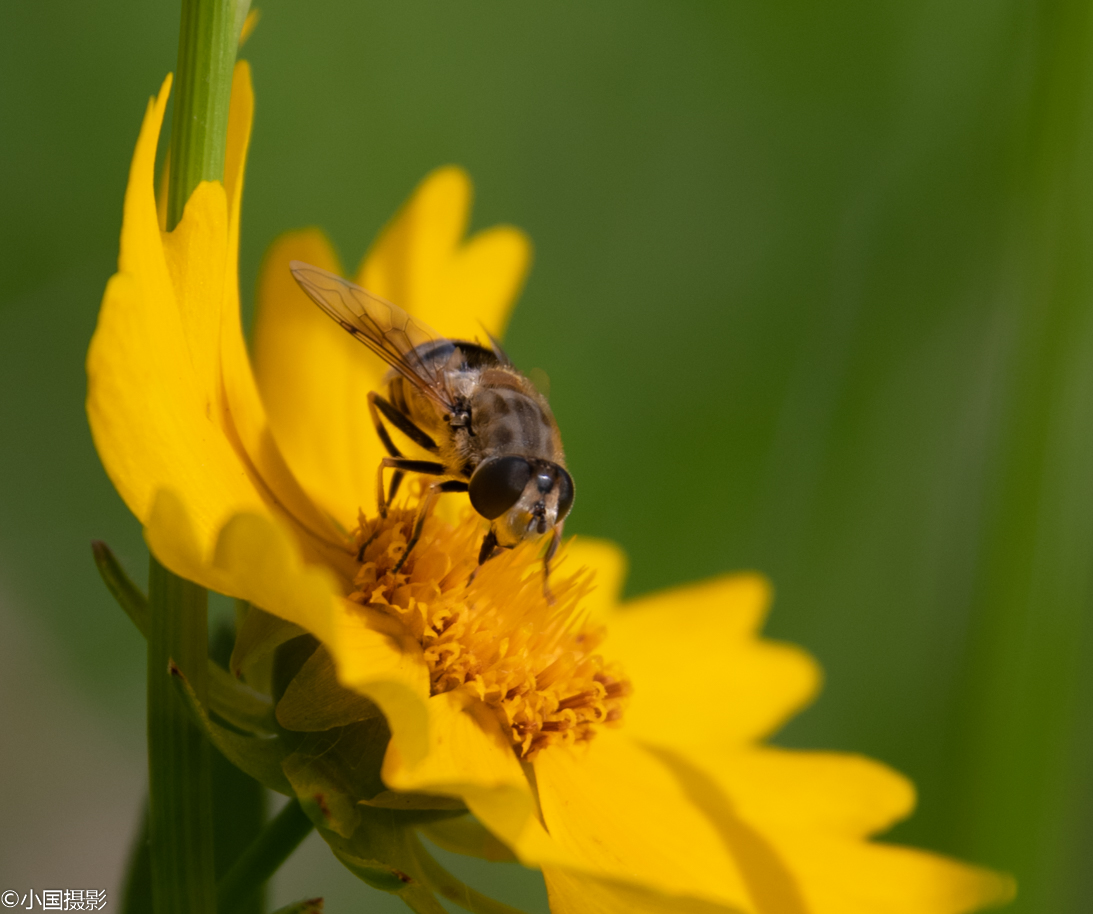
[
  {"x": 497, "y": 484},
  {"x": 565, "y": 493}
]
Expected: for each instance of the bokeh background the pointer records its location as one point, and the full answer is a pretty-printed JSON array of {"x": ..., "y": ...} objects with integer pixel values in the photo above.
[{"x": 814, "y": 288}]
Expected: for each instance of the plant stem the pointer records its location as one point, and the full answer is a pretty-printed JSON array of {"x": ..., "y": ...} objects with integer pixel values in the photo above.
[
  {"x": 180, "y": 816},
  {"x": 258, "y": 862},
  {"x": 207, "y": 41},
  {"x": 239, "y": 801}
]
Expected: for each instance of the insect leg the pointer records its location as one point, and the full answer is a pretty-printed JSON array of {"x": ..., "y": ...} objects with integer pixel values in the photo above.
[
  {"x": 403, "y": 465},
  {"x": 377, "y": 405},
  {"x": 389, "y": 445},
  {"x": 555, "y": 542},
  {"x": 488, "y": 551},
  {"x": 381, "y": 429},
  {"x": 419, "y": 522},
  {"x": 489, "y": 547},
  {"x": 400, "y": 421}
]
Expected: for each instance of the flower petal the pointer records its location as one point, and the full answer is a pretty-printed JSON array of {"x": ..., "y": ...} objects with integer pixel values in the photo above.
[
  {"x": 471, "y": 758},
  {"x": 422, "y": 264},
  {"x": 315, "y": 379},
  {"x": 616, "y": 808},
  {"x": 833, "y": 793},
  {"x": 847, "y": 877},
  {"x": 468, "y": 750},
  {"x": 609, "y": 563},
  {"x": 245, "y": 419},
  {"x": 700, "y": 672},
  {"x": 804, "y": 817},
  {"x": 152, "y": 376},
  {"x": 171, "y": 399},
  {"x": 572, "y": 892}
]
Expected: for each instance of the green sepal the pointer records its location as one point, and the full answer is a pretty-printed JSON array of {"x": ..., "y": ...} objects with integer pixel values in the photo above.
[
  {"x": 314, "y": 700},
  {"x": 380, "y": 852},
  {"x": 443, "y": 882},
  {"x": 333, "y": 770},
  {"x": 466, "y": 835},
  {"x": 308, "y": 906},
  {"x": 235, "y": 702},
  {"x": 416, "y": 802},
  {"x": 258, "y": 635},
  {"x": 386, "y": 854},
  {"x": 130, "y": 597},
  {"x": 325, "y": 804},
  {"x": 260, "y": 757},
  {"x": 239, "y": 704}
]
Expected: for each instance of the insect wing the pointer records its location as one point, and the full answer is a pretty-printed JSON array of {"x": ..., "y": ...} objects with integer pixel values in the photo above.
[{"x": 383, "y": 327}]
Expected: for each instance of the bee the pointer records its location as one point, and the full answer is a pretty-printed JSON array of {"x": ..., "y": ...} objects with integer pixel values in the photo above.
[{"x": 490, "y": 432}]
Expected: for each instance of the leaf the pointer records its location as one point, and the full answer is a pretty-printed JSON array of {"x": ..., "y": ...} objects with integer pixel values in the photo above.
[
  {"x": 130, "y": 597},
  {"x": 239, "y": 705},
  {"x": 260, "y": 757}
]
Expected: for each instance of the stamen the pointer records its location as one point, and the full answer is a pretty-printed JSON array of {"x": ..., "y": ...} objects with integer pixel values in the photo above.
[{"x": 494, "y": 633}]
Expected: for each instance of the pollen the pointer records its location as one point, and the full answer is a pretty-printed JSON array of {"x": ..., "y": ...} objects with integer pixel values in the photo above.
[{"x": 494, "y": 630}]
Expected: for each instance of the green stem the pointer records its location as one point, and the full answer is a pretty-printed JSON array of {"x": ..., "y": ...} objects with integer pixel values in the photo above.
[
  {"x": 207, "y": 42},
  {"x": 137, "y": 894},
  {"x": 180, "y": 813},
  {"x": 180, "y": 817},
  {"x": 281, "y": 836},
  {"x": 239, "y": 801}
]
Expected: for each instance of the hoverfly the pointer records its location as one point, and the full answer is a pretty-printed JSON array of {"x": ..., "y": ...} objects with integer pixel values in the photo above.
[{"x": 490, "y": 431}]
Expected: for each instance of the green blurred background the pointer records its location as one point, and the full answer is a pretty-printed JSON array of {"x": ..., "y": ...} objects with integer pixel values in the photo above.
[{"x": 813, "y": 286}]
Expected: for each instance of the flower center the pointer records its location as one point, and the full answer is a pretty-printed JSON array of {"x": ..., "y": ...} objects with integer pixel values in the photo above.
[{"x": 529, "y": 657}]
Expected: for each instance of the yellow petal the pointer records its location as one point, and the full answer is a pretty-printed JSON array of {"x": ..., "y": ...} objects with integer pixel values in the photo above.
[
  {"x": 700, "y": 672},
  {"x": 609, "y": 563},
  {"x": 244, "y": 419},
  {"x": 845, "y": 877},
  {"x": 468, "y": 751},
  {"x": 315, "y": 379},
  {"x": 170, "y": 395},
  {"x": 376, "y": 656},
  {"x": 617, "y": 809},
  {"x": 795, "y": 822},
  {"x": 152, "y": 378},
  {"x": 469, "y": 757},
  {"x": 833, "y": 793},
  {"x": 573, "y": 892},
  {"x": 422, "y": 264}
]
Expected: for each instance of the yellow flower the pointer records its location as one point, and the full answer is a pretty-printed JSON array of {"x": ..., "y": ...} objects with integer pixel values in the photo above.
[{"x": 616, "y": 746}]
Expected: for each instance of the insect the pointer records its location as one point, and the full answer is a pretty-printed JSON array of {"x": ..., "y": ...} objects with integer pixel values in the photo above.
[{"x": 489, "y": 430}]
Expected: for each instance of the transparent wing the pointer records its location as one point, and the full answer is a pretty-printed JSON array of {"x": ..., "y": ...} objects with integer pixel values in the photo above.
[{"x": 384, "y": 328}]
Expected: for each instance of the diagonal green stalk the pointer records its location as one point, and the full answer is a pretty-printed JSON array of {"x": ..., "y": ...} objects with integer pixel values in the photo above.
[
  {"x": 180, "y": 814},
  {"x": 272, "y": 847}
]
